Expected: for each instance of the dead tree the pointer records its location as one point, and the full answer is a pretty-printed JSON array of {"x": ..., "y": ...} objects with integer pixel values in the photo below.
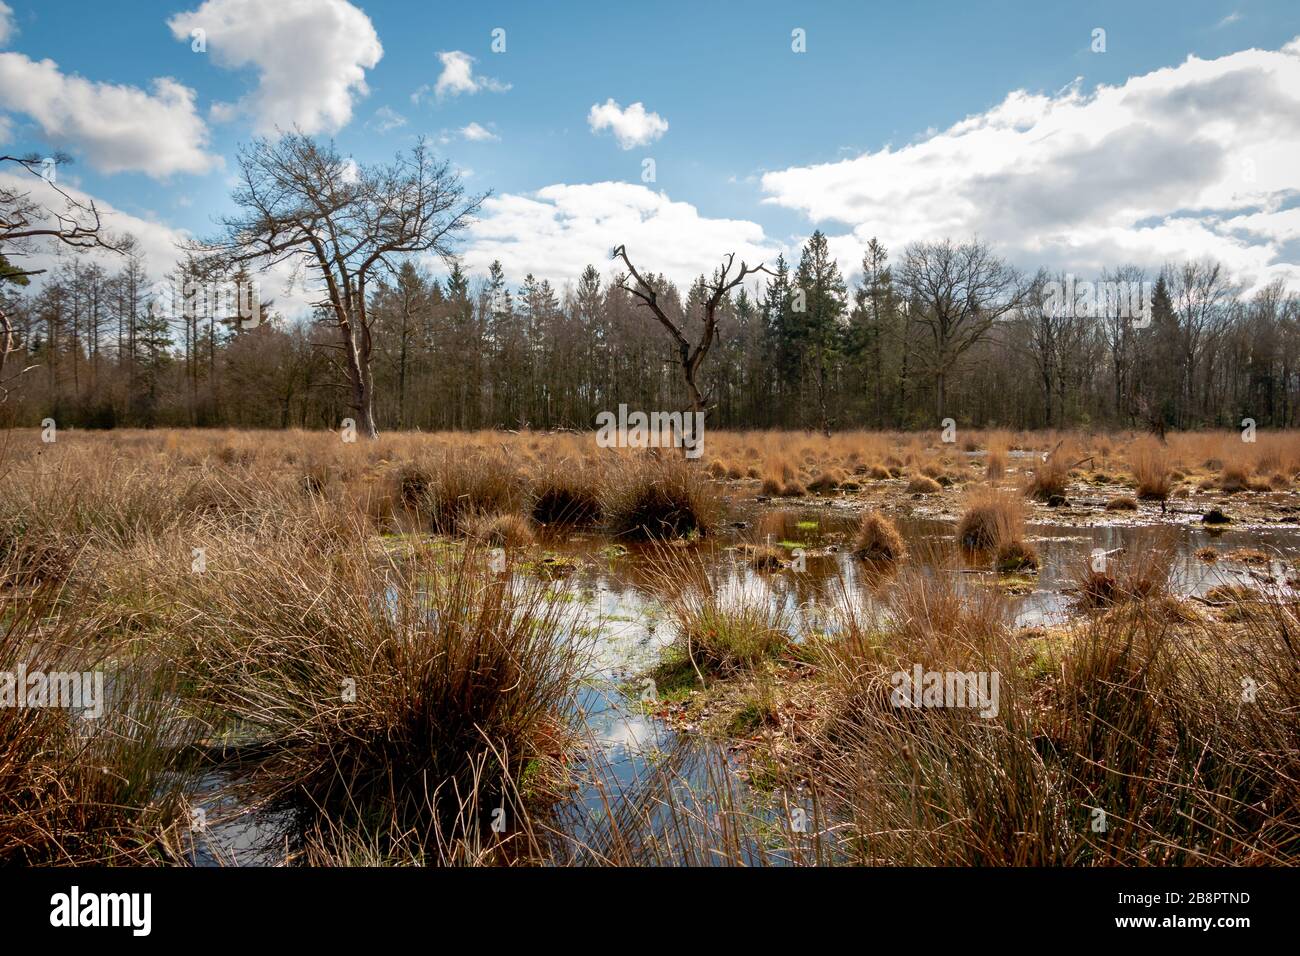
[{"x": 690, "y": 356}]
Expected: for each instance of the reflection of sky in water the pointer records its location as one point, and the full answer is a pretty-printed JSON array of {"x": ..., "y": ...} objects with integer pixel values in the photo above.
[
  {"x": 636, "y": 625},
  {"x": 619, "y": 603},
  {"x": 229, "y": 837}
]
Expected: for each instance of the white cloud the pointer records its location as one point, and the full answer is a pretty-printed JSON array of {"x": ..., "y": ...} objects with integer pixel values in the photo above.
[
  {"x": 1152, "y": 170},
  {"x": 7, "y": 28},
  {"x": 311, "y": 57},
  {"x": 478, "y": 134},
  {"x": 458, "y": 77},
  {"x": 293, "y": 295},
  {"x": 293, "y": 291},
  {"x": 632, "y": 126},
  {"x": 119, "y": 128},
  {"x": 1230, "y": 19},
  {"x": 559, "y": 230},
  {"x": 386, "y": 119},
  {"x": 157, "y": 241}
]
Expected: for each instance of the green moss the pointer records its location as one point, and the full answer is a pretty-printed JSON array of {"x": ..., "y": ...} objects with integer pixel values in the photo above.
[
  {"x": 1044, "y": 653},
  {"x": 530, "y": 778},
  {"x": 552, "y": 565},
  {"x": 674, "y": 679},
  {"x": 765, "y": 773},
  {"x": 758, "y": 710}
]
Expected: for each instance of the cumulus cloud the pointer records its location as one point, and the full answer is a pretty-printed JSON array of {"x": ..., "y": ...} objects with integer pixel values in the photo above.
[
  {"x": 476, "y": 133},
  {"x": 631, "y": 127},
  {"x": 311, "y": 57},
  {"x": 1196, "y": 159},
  {"x": 7, "y": 28},
  {"x": 118, "y": 128},
  {"x": 386, "y": 119},
  {"x": 458, "y": 77},
  {"x": 157, "y": 241},
  {"x": 561, "y": 229},
  {"x": 158, "y": 244}
]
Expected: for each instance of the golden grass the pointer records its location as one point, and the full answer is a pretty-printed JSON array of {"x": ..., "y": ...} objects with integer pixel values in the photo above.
[
  {"x": 311, "y": 579},
  {"x": 1151, "y": 465},
  {"x": 991, "y": 519},
  {"x": 877, "y": 539},
  {"x": 1051, "y": 478}
]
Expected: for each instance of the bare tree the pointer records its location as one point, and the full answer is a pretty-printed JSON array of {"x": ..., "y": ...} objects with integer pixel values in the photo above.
[
  {"x": 957, "y": 292},
  {"x": 25, "y": 221},
  {"x": 1116, "y": 325},
  {"x": 1202, "y": 294},
  {"x": 301, "y": 202},
  {"x": 1042, "y": 319},
  {"x": 1054, "y": 335},
  {"x": 690, "y": 357}
]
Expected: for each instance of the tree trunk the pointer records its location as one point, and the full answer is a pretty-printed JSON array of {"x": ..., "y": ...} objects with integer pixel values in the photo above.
[{"x": 360, "y": 380}]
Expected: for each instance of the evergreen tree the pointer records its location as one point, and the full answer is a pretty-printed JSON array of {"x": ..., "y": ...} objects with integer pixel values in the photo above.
[{"x": 820, "y": 329}]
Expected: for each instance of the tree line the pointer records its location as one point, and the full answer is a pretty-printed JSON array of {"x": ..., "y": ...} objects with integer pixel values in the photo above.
[{"x": 403, "y": 338}]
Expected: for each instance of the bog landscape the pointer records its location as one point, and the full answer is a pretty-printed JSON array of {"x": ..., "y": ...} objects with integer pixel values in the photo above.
[
  {"x": 491, "y": 647},
  {"x": 363, "y": 514}
]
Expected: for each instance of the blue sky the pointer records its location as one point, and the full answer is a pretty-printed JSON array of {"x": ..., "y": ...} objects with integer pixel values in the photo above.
[{"x": 762, "y": 144}]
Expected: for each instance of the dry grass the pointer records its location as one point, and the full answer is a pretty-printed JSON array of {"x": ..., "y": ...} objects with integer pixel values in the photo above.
[
  {"x": 1233, "y": 478},
  {"x": 1150, "y": 462},
  {"x": 720, "y": 632},
  {"x": 991, "y": 519},
  {"x": 110, "y": 790},
  {"x": 1140, "y": 723},
  {"x": 501, "y": 530},
  {"x": 1015, "y": 556},
  {"x": 462, "y": 489},
  {"x": 651, "y": 498},
  {"x": 877, "y": 539},
  {"x": 827, "y": 481},
  {"x": 567, "y": 493},
  {"x": 1051, "y": 478},
  {"x": 466, "y": 679},
  {"x": 765, "y": 557},
  {"x": 401, "y": 700},
  {"x": 1126, "y": 577},
  {"x": 996, "y": 464}
]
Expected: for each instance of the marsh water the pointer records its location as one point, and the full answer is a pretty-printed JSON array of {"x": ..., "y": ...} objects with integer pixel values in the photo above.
[{"x": 619, "y": 594}]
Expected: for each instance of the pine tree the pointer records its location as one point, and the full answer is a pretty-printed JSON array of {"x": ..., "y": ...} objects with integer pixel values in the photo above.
[
  {"x": 873, "y": 326},
  {"x": 820, "y": 329}
]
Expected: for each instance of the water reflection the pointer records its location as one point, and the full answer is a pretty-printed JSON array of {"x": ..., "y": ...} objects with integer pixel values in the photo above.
[{"x": 621, "y": 596}]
